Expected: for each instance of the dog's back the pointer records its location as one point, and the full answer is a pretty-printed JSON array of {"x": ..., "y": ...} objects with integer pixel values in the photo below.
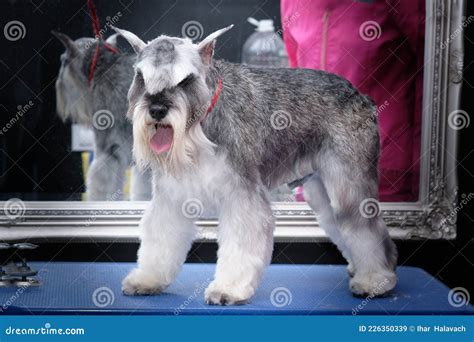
[{"x": 282, "y": 120}]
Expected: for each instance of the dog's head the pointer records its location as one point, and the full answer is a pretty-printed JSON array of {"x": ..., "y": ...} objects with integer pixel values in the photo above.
[
  {"x": 72, "y": 86},
  {"x": 168, "y": 95}
]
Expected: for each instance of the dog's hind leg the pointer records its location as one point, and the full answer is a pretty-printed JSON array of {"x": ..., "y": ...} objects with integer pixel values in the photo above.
[
  {"x": 364, "y": 234},
  {"x": 166, "y": 235},
  {"x": 245, "y": 246},
  {"x": 317, "y": 198},
  {"x": 105, "y": 178}
]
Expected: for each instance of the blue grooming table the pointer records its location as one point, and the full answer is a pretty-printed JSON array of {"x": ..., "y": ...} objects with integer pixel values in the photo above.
[{"x": 94, "y": 288}]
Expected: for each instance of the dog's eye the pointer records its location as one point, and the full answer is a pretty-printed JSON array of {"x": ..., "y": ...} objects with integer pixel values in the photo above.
[{"x": 184, "y": 83}]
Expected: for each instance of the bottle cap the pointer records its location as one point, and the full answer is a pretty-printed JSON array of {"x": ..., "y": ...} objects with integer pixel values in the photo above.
[{"x": 265, "y": 25}]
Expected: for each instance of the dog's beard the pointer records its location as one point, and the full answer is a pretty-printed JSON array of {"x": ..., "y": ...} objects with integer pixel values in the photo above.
[{"x": 188, "y": 144}]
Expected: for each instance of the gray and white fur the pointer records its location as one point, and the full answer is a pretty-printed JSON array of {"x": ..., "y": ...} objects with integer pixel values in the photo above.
[
  {"x": 230, "y": 159},
  {"x": 102, "y": 107}
]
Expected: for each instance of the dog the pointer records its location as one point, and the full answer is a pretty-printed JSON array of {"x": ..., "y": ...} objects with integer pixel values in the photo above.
[
  {"x": 100, "y": 104},
  {"x": 210, "y": 131}
]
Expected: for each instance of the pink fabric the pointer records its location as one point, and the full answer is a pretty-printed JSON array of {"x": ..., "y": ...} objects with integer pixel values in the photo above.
[{"x": 388, "y": 66}]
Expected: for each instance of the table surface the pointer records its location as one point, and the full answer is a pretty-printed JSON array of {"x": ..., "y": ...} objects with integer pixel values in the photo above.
[{"x": 94, "y": 288}]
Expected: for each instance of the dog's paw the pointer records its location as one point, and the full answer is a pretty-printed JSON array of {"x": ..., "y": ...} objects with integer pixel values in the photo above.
[
  {"x": 137, "y": 282},
  {"x": 351, "y": 269},
  {"x": 372, "y": 284},
  {"x": 226, "y": 295}
]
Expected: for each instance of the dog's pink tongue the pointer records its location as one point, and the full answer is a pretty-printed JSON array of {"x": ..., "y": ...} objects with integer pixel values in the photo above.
[{"x": 162, "y": 139}]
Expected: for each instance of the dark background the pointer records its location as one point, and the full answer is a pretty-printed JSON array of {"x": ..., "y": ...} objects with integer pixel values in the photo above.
[{"x": 450, "y": 261}]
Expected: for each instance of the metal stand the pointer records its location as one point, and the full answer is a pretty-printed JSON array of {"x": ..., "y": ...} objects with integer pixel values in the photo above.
[{"x": 21, "y": 274}]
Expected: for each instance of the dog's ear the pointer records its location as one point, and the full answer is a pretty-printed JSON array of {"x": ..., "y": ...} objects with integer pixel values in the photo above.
[
  {"x": 68, "y": 43},
  {"x": 206, "y": 46},
  {"x": 112, "y": 40},
  {"x": 136, "y": 43}
]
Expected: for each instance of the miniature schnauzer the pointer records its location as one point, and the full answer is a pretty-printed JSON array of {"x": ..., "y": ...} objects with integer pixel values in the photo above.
[
  {"x": 101, "y": 105},
  {"x": 206, "y": 129}
]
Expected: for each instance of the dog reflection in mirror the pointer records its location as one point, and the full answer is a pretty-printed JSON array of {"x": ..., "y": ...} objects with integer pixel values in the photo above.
[
  {"x": 220, "y": 135},
  {"x": 100, "y": 104}
]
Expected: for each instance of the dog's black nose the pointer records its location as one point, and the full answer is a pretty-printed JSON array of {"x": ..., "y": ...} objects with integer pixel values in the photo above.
[{"x": 158, "y": 111}]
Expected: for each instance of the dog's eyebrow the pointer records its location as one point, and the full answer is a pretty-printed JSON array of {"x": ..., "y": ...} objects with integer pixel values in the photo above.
[{"x": 185, "y": 81}]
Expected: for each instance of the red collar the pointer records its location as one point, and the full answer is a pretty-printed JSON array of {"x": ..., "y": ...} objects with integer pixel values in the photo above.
[{"x": 214, "y": 100}]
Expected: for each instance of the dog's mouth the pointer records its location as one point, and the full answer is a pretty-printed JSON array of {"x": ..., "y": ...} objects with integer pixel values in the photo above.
[{"x": 162, "y": 140}]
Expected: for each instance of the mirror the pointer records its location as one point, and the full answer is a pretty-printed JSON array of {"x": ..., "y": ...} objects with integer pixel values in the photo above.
[
  {"x": 66, "y": 141},
  {"x": 70, "y": 139}
]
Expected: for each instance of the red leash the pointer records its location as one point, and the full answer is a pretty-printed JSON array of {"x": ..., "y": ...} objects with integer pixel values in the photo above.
[{"x": 96, "y": 29}]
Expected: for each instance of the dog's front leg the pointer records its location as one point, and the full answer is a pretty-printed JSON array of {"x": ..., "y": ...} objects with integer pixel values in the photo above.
[
  {"x": 245, "y": 247},
  {"x": 140, "y": 187},
  {"x": 166, "y": 236}
]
